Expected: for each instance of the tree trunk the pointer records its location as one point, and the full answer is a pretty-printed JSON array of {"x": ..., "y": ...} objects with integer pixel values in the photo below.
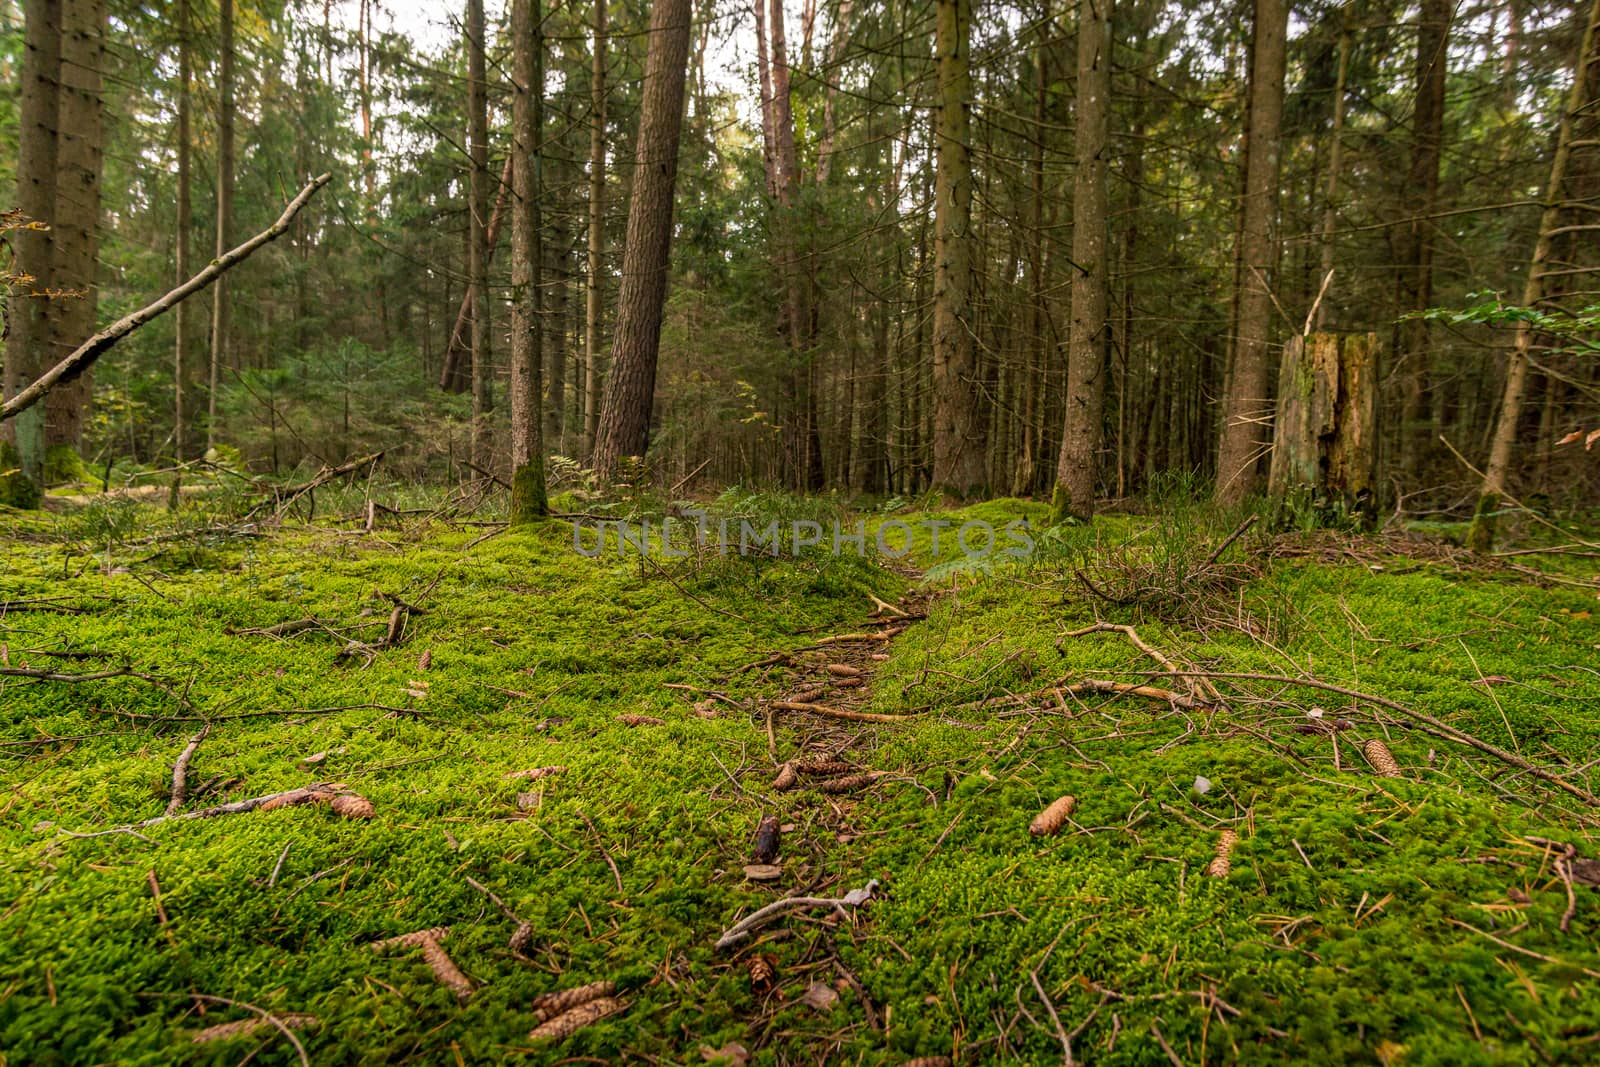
[
  {"x": 769, "y": 155},
  {"x": 527, "y": 261},
  {"x": 958, "y": 448},
  {"x": 1246, "y": 404},
  {"x": 455, "y": 376},
  {"x": 1325, "y": 426},
  {"x": 1480, "y": 537},
  {"x": 219, "y": 295},
  {"x": 593, "y": 314},
  {"x": 180, "y": 326},
  {"x": 77, "y": 215},
  {"x": 836, "y": 50},
  {"x": 1416, "y": 258},
  {"x": 28, "y": 351},
  {"x": 1323, "y": 291},
  {"x": 630, "y": 387},
  {"x": 477, "y": 234},
  {"x": 1087, "y": 336}
]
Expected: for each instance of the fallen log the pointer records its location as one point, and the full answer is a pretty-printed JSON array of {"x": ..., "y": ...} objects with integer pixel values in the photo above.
[{"x": 85, "y": 355}]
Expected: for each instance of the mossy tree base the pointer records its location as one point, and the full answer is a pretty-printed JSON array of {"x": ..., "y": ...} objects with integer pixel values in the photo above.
[
  {"x": 529, "y": 501},
  {"x": 17, "y": 490}
]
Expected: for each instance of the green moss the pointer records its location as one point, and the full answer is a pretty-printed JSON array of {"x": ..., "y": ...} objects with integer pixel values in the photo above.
[
  {"x": 535, "y": 650},
  {"x": 17, "y": 490},
  {"x": 63, "y": 466}
]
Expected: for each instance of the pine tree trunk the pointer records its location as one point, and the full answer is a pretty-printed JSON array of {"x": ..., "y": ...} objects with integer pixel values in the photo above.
[
  {"x": 593, "y": 314},
  {"x": 630, "y": 387},
  {"x": 477, "y": 236},
  {"x": 527, "y": 261},
  {"x": 180, "y": 314},
  {"x": 76, "y": 218},
  {"x": 1247, "y": 403},
  {"x": 1416, "y": 243},
  {"x": 1323, "y": 291},
  {"x": 219, "y": 291},
  {"x": 958, "y": 447},
  {"x": 1088, "y": 334},
  {"x": 1496, "y": 472},
  {"x": 28, "y": 351}
]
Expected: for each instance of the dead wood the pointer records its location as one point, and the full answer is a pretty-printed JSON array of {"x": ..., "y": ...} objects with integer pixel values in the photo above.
[
  {"x": 839, "y": 713},
  {"x": 769, "y": 837},
  {"x": 756, "y": 919},
  {"x": 85, "y": 355},
  {"x": 180, "y": 771}
]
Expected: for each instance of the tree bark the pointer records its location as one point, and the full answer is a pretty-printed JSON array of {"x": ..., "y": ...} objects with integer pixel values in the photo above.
[
  {"x": 28, "y": 347},
  {"x": 836, "y": 50},
  {"x": 1247, "y": 405},
  {"x": 219, "y": 295},
  {"x": 76, "y": 218},
  {"x": 630, "y": 387},
  {"x": 477, "y": 234},
  {"x": 527, "y": 262},
  {"x": 1088, "y": 334},
  {"x": 1481, "y": 536},
  {"x": 185, "y": 217},
  {"x": 958, "y": 450},
  {"x": 1323, "y": 291},
  {"x": 593, "y": 313},
  {"x": 1416, "y": 240}
]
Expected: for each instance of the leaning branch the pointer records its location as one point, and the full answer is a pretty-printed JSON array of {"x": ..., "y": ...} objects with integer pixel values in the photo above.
[{"x": 96, "y": 346}]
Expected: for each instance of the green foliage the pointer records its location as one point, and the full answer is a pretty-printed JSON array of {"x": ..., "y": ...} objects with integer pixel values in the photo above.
[
  {"x": 1575, "y": 329},
  {"x": 17, "y": 490}
]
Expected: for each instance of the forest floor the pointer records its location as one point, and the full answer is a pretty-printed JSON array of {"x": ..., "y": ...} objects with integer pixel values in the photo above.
[{"x": 1444, "y": 915}]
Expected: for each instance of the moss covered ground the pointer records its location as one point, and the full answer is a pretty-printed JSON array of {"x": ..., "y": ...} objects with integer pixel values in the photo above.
[{"x": 1408, "y": 920}]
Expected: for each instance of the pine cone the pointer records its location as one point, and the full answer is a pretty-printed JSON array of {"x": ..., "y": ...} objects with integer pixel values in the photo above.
[
  {"x": 846, "y": 784},
  {"x": 786, "y": 778},
  {"x": 352, "y": 806},
  {"x": 768, "y": 838},
  {"x": 809, "y": 695},
  {"x": 445, "y": 969},
  {"x": 1220, "y": 864},
  {"x": 569, "y": 1023},
  {"x": 547, "y": 1006},
  {"x": 1051, "y": 819},
  {"x": 843, "y": 670},
  {"x": 1381, "y": 758},
  {"x": 640, "y": 720},
  {"x": 762, "y": 972},
  {"x": 823, "y": 768},
  {"x": 253, "y": 1025}
]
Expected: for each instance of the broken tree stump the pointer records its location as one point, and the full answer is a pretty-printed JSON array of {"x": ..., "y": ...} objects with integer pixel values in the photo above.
[{"x": 1324, "y": 443}]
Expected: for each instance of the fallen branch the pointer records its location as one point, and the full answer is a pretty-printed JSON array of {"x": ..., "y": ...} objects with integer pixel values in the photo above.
[
  {"x": 740, "y": 930},
  {"x": 839, "y": 713},
  {"x": 180, "y": 771},
  {"x": 85, "y": 355},
  {"x": 285, "y": 495}
]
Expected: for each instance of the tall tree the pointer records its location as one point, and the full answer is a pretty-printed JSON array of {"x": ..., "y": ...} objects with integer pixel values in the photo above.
[
  {"x": 1090, "y": 330},
  {"x": 76, "y": 219},
  {"x": 1416, "y": 236},
  {"x": 225, "y": 178},
  {"x": 593, "y": 310},
  {"x": 477, "y": 228},
  {"x": 1496, "y": 472},
  {"x": 28, "y": 349},
  {"x": 958, "y": 455},
  {"x": 1246, "y": 405},
  {"x": 527, "y": 262},
  {"x": 636, "y": 342},
  {"x": 180, "y": 314}
]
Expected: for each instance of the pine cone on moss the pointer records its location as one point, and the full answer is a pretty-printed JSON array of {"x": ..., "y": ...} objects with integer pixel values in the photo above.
[
  {"x": 1049, "y": 821},
  {"x": 569, "y": 1023},
  {"x": 1381, "y": 758},
  {"x": 547, "y": 1006},
  {"x": 1221, "y": 864}
]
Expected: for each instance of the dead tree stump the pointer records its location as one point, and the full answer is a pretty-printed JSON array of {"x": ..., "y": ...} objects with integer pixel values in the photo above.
[{"x": 1324, "y": 445}]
